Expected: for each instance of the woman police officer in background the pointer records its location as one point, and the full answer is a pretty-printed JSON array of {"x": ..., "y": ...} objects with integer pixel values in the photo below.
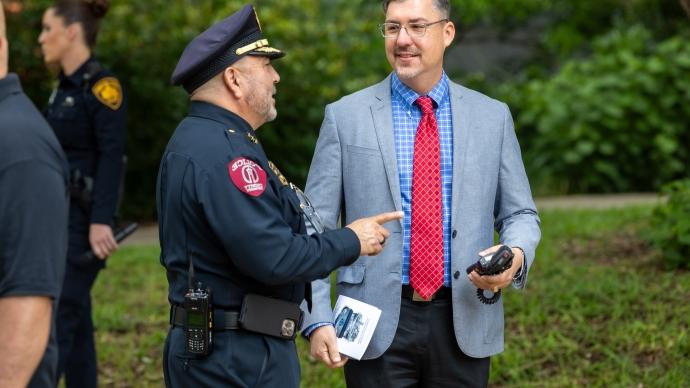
[{"x": 88, "y": 114}]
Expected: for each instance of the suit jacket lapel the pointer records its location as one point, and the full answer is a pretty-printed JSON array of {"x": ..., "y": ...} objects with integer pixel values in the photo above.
[
  {"x": 461, "y": 127},
  {"x": 383, "y": 126}
]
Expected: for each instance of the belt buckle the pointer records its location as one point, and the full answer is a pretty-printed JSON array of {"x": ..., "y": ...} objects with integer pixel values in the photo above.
[{"x": 418, "y": 298}]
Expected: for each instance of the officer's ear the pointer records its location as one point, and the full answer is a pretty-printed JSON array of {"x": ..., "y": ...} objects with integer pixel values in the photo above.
[
  {"x": 75, "y": 32},
  {"x": 232, "y": 81}
]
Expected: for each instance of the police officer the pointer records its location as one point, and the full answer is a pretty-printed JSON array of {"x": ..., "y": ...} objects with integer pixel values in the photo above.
[
  {"x": 87, "y": 113},
  {"x": 227, "y": 213},
  {"x": 33, "y": 234}
]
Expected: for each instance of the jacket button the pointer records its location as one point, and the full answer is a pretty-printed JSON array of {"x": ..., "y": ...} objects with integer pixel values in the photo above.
[
  {"x": 456, "y": 274},
  {"x": 455, "y": 233}
]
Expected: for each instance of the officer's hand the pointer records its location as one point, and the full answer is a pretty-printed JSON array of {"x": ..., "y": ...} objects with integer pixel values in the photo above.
[
  {"x": 102, "y": 241},
  {"x": 502, "y": 280},
  {"x": 324, "y": 347},
  {"x": 371, "y": 234}
]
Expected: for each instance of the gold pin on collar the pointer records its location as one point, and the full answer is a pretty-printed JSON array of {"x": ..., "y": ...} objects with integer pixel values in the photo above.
[
  {"x": 252, "y": 138},
  {"x": 281, "y": 177}
]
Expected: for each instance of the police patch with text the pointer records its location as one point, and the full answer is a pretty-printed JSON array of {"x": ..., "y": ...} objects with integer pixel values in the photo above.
[{"x": 247, "y": 176}]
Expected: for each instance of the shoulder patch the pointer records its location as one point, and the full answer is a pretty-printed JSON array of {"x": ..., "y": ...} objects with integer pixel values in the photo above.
[
  {"x": 247, "y": 176},
  {"x": 109, "y": 92}
]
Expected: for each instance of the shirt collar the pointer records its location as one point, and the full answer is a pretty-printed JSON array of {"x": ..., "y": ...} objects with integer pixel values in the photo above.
[
  {"x": 403, "y": 92},
  {"x": 221, "y": 115},
  {"x": 77, "y": 78}
]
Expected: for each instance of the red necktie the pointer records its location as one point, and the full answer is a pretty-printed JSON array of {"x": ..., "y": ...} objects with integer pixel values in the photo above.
[{"x": 426, "y": 235}]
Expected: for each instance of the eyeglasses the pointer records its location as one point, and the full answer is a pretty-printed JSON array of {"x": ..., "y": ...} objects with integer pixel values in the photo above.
[
  {"x": 417, "y": 30},
  {"x": 313, "y": 217}
]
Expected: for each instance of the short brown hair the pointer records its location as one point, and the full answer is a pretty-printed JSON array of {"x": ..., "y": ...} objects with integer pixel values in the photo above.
[{"x": 441, "y": 5}]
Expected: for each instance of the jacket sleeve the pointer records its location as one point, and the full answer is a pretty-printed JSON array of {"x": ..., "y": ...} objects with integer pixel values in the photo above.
[
  {"x": 517, "y": 221},
  {"x": 259, "y": 240},
  {"x": 109, "y": 118}
]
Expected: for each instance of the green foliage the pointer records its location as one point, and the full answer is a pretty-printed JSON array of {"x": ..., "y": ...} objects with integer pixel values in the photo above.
[
  {"x": 565, "y": 27},
  {"x": 617, "y": 121},
  {"x": 670, "y": 225}
]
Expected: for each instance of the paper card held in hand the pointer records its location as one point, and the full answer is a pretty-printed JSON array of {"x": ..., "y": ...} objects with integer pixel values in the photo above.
[{"x": 354, "y": 323}]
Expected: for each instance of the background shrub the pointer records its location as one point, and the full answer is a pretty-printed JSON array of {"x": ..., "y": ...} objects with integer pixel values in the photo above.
[
  {"x": 615, "y": 122},
  {"x": 670, "y": 225}
]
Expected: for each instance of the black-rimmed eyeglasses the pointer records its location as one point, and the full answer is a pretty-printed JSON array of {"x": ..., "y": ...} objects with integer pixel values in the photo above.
[{"x": 417, "y": 30}]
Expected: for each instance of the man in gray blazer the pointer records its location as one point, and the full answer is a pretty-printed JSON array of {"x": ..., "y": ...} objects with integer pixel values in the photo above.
[{"x": 453, "y": 165}]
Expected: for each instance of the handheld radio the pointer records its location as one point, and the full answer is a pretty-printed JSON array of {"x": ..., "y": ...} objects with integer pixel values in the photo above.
[
  {"x": 492, "y": 264},
  {"x": 199, "y": 322},
  {"x": 199, "y": 319}
]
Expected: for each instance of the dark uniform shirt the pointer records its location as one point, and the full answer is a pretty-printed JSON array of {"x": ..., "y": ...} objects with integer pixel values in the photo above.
[
  {"x": 33, "y": 209},
  {"x": 87, "y": 111},
  {"x": 33, "y": 198},
  {"x": 222, "y": 206}
]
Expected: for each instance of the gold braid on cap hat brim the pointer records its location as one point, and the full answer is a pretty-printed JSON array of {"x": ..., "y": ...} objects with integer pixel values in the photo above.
[{"x": 251, "y": 46}]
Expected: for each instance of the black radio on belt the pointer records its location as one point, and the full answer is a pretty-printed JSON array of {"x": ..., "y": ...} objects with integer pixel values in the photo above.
[
  {"x": 199, "y": 324},
  {"x": 492, "y": 264}
]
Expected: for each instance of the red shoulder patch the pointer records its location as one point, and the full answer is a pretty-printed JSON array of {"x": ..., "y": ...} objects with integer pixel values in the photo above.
[{"x": 248, "y": 176}]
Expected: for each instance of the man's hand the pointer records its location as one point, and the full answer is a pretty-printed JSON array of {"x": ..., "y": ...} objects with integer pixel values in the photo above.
[
  {"x": 324, "y": 347},
  {"x": 102, "y": 241},
  {"x": 494, "y": 283},
  {"x": 371, "y": 234}
]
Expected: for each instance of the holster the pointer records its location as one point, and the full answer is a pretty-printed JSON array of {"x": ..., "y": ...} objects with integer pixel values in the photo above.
[{"x": 270, "y": 316}]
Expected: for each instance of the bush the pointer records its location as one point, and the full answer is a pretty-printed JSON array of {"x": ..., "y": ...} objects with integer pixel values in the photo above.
[
  {"x": 670, "y": 225},
  {"x": 617, "y": 121}
]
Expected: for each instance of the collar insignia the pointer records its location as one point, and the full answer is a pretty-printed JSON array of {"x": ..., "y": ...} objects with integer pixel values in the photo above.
[
  {"x": 252, "y": 138},
  {"x": 281, "y": 177}
]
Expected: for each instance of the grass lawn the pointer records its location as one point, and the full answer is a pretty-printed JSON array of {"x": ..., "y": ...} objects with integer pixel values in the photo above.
[{"x": 598, "y": 311}]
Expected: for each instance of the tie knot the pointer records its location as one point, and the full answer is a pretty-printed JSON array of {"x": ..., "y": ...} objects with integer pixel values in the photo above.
[{"x": 426, "y": 104}]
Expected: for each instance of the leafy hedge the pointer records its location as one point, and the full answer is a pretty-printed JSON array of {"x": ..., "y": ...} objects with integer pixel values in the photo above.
[
  {"x": 670, "y": 225},
  {"x": 617, "y": 121}
]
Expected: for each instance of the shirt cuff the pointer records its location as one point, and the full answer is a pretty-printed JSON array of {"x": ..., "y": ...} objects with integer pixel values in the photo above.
[
  {"x": 518, "y": 279},
  {"x": 310, "y": 329}
]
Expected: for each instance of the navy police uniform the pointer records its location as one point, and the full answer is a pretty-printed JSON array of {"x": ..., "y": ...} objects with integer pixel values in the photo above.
[
  {"x": 87, "y": 111},
  {"x": 223, "y": 206},
  {"x": 33, "y": 209}
]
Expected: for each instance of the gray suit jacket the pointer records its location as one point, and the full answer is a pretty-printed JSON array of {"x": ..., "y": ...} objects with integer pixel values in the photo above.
[{"x": 354, "y": 174}]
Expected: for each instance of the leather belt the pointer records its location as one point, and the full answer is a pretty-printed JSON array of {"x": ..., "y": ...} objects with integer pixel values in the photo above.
[
  {"x": 409, "y": 293},
  {"x": 222, "y": 319}
]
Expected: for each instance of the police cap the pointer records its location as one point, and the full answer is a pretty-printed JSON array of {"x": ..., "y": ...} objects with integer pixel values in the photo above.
[{"x": 220, "y": 46}]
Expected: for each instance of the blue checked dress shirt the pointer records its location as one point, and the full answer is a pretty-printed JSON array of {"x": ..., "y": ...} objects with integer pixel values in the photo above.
[{"x": 406, "y": 117}]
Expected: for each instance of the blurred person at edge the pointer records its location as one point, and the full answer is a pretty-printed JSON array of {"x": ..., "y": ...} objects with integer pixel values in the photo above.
[
  {"x": 87, "y": 111},
  {"x": 448, "y": 157},
  {"x": 33, "y": 234}
]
